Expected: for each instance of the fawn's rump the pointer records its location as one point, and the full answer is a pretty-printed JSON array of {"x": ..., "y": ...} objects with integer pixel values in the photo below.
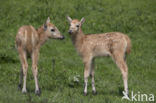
[{"x": 26, "y": 38}]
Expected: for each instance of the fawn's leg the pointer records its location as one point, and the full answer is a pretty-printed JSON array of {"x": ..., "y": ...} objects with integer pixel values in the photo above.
[
  {"x": 24, "y": 63},
  {"x": 92, "y": 76},
  {"x": 20, "y": 79},
  {"x": 35, "y": 55},
  {"x": 119, "y": 59},
  {"x": 87, "y": 64}
]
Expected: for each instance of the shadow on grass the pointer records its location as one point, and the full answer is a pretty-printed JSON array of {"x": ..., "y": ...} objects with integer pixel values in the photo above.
[
  {"x": 114, "y": 93},
  {"x": 7, "y": 59}
]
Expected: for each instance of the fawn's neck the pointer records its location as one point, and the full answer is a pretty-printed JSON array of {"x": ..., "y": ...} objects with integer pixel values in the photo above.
[
  {"x": 42, "y": 36},
  {"x": 77, "y": 39}
]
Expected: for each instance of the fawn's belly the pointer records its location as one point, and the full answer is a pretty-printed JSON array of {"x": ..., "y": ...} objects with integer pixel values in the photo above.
[{"x": 101, "y": 53}]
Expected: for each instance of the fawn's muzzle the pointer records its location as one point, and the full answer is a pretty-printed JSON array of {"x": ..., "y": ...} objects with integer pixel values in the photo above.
[
  {"x": 62, "y": 38},
  {"x": 70, "y": 31}
]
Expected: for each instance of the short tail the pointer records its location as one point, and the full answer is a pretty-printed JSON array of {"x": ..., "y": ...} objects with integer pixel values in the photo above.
[{"x": 128, "y": 49}]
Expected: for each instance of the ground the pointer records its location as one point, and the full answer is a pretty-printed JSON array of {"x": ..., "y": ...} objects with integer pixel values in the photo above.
[{"x": 136, "y": 18}]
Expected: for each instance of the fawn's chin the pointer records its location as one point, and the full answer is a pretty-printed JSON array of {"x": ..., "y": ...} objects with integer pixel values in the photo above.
[{"x": 70, "y": 33}]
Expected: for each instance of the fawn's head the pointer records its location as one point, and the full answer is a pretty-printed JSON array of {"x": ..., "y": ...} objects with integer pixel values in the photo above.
[
  {"x": 52, "y": 31},
  {"x": 75, "y": 25}
]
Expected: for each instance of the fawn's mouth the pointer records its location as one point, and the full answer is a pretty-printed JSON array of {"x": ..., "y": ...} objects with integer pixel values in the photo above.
[{"x": 61, "y": 38}]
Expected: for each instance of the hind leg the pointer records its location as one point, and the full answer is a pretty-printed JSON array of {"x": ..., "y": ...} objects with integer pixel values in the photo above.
[
  {"x": 20, "y": 79},
  {"x": 35, "y": 55},
  {"x": 119, "y": 59},
  {"x": 24, "y": 63}
]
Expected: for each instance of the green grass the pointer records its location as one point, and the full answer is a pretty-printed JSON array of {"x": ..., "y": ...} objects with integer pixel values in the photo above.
[{"x": 136, "y": 18}]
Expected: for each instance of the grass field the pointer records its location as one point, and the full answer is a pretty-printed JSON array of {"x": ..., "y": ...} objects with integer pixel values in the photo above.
[{"x": 136, "y": 18}]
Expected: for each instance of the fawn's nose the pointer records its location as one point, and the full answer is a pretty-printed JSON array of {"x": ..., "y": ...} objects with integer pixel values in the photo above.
[
  {"x": 70, "y": 31},
  {"x": 62, "y": 37}
]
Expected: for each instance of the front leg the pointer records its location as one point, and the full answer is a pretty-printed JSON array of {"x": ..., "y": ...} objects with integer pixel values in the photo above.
[
  {"x": 87, "y": 65},
  {"x": 92, "y": 77}
]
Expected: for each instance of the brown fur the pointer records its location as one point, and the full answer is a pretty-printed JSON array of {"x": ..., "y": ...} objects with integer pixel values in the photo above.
[{"x": 128, "y": 49}]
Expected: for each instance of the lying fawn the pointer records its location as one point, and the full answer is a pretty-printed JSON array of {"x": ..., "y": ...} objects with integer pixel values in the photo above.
[
  {"x": 28, "y": 43},
  {"x": 113, "y": 44}
]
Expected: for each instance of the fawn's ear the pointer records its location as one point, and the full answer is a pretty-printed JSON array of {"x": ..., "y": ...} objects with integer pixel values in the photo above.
[
  {"x": 48, "y": 20},
  {"x": 82, "y": 20},
  {"x": 69, "y": 19},
  {"x": 45, "y": 26}
]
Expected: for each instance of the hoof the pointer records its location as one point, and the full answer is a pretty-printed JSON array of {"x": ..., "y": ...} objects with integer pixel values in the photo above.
[
  {"x": 19, "y": 86},
  {"x": 94, "y": 92},
  {"x": 85, "y": 94},
  {"x": 24, "y": 91},
  {"x": 125, "y": 96},
  {"x": 125, "y": 93},
  {"x": 38, "y": 92}
]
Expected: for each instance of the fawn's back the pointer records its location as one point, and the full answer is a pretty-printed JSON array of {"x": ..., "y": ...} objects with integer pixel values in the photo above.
[{"x": 105, "y": 44}]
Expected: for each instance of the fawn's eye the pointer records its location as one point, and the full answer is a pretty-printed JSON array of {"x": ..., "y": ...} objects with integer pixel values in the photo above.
[
  {"x": 77, "y": 25},
  {"x": 52, "y": 30}
]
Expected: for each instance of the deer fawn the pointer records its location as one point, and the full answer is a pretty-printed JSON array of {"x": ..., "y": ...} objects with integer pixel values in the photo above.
[
  {"x": 113, "y": 44},
  {"x": 28, "y": 43}
]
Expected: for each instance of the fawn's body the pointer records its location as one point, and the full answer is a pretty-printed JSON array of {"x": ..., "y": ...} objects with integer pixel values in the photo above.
[
  {"x": 28, "y": 43},
  {"x": 114, "y": 44}
]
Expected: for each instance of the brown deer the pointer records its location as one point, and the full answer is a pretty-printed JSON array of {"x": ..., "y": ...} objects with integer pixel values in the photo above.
[
  {"x": 28, "y": 43},
  {"x": 114, "y": 44}
]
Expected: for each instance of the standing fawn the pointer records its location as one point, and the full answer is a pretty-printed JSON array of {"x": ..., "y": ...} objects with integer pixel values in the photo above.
[
  {"x": 28, "y": 43},
  {"x": 113, "y": 44}
]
